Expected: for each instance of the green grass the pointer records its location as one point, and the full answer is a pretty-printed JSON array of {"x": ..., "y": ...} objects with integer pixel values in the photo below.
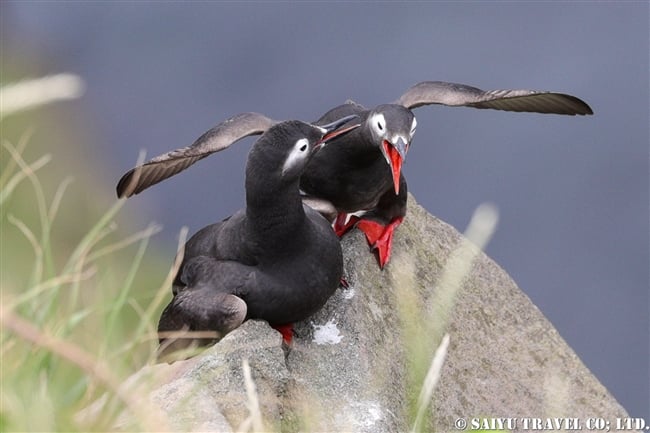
[{"x": 75, "y": 321}]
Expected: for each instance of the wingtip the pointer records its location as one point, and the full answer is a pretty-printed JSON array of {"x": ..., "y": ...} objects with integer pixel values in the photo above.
[
  {"x": 582, "y": 108},
  {"x": 122, "y": 195},
  {"x": 119, "y": 190},
  {"x": 124, "y": 188}
]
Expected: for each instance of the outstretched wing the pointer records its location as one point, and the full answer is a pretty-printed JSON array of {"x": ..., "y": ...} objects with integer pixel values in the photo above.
[
  {"x": 167, "y": 165},
  {"x": 452, "y": 94}
]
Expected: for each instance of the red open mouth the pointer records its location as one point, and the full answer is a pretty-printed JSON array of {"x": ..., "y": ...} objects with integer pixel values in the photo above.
[{"x": 395, "y": 161}]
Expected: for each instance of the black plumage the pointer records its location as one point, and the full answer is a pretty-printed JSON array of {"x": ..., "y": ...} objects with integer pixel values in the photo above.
[
  {"x": 363, "y": 174},
  {"x": 276, "y": 260}
]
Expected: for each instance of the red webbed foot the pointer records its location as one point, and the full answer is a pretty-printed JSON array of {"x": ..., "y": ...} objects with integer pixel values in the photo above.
[
  {"x": 344, "y": 222},
  {"x": 286, "y": 330},
  {"x": 380, "y": 237}
]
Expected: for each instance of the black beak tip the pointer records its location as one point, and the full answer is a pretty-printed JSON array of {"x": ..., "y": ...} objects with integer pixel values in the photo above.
[{"x": 337, "y": 123}]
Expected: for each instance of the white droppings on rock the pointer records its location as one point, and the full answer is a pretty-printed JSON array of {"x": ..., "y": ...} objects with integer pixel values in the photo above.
[
  {"x": 348, "y": 293},
  {"x": 361, "y": 415},
  {"x": 327, "y": 333},
  {"x": 373, "y": 413}
]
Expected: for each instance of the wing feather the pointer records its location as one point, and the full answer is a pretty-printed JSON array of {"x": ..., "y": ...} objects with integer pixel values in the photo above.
[
  {"x": 171, "y": 163},
  {"x": 455, "y": 95}
]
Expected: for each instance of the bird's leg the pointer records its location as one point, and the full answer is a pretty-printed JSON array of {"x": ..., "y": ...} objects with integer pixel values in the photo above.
[
  {"x": 286, "y": 330},
  {"x": 380, "y": 223},
  {"x": 380, "y": 237},
  {"x": 344, "y": 222}
]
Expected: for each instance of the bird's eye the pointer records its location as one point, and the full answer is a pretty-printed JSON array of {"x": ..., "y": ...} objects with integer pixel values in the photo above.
[
  {"x": 379, "y": 123},
  {"x": 297, "y": 156}
]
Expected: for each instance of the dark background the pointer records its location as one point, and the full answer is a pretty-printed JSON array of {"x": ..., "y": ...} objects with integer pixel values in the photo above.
[{"x": 572, "y": 192}]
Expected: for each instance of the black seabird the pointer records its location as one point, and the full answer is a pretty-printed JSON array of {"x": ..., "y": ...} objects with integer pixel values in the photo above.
[
  {"x": 365, "y": 173},
  {"x": 276, "y": 260}
]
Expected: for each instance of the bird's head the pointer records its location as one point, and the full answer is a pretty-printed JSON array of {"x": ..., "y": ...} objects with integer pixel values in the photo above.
[
  {"x": 391, "y": 128},
  {"x": 288, "y": 146}
]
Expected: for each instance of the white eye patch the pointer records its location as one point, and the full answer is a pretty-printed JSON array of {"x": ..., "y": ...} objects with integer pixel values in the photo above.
[
  {"x": 378, "y": 123},
  {"x": 297, "y": 154}
]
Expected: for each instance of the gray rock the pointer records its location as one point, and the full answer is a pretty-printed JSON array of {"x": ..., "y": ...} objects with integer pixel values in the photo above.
[
  {"x": 358, "y": 364},
  {"x": 214, "y": 382},
  {"x": 505, "y": 358}
]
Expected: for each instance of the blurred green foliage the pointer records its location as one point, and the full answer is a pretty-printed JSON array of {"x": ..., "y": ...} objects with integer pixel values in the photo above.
[{"x": 79, "y": 296}]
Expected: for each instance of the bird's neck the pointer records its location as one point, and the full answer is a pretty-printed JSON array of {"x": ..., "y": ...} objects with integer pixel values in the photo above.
[
  {"x": 274, "y": 212},
  {"x": 364, "y": 151}
]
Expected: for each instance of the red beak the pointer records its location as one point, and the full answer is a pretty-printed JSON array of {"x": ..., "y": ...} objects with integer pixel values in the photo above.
[
  {"x": 330, "y": 130},
  {"x": 337, "y": 132},
  {"x": 395, "y": 161}
]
